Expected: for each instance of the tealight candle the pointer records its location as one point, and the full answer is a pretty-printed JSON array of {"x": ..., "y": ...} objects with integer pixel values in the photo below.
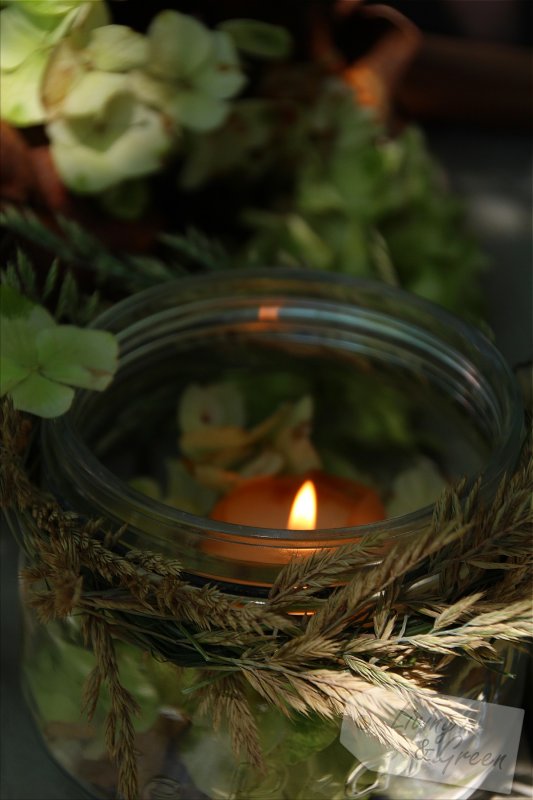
[{"x": 280, "y": 502}]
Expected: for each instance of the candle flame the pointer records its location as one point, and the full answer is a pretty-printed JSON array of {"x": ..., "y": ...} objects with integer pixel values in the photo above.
[{"x": 303, "y": 511}]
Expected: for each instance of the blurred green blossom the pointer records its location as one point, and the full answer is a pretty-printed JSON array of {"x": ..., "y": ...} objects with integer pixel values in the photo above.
[
  {"x": 117, "y": 101},
  {"x": 123, "y": 140},
  {"x": 191, "y": 72},
  {"x": 361, "y": 203},
  {"x": 257, "y": 38},
  {"x": 29, "y": 32},
  {"x": 321, "y": 184},
  {"x": 101, "y": 134},
  {"x": 40, "y": 361}
]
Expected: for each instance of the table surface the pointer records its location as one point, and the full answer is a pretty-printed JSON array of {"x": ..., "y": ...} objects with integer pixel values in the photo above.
[{"x": 492, "y": 171}]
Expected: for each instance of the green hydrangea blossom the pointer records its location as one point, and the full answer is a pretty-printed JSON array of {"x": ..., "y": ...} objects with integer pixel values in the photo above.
[
  {"x": 125, "y": 139},
  {"x": 29, "y": 31},
  {"x": 191, "y": 72},
  {"x": 117, "y": 100}
]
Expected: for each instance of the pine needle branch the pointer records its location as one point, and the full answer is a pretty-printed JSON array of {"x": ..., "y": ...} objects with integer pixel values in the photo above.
[
  {"x": 76, "y": 247},
  {"x": 198, "y": 249}
]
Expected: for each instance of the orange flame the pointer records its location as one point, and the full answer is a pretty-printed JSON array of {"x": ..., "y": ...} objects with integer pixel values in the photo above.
[{"x": 303, "y": 511}]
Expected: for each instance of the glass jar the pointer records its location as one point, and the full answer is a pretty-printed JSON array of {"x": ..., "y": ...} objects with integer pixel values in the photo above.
[{"x": 345, "y": 341}]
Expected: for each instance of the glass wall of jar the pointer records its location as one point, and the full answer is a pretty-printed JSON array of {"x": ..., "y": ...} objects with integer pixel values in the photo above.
[{"x": 345, "y": 342}]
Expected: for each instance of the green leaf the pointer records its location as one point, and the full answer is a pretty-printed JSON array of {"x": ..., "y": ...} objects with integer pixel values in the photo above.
[
  {"x": 39, "y": 319},
  {"x": 78, "y": 357},
  {"x": 39, "y": 358},
  {"x": 21, "y": 102},
  {"x": 51, "y": 279},
  {"x": 47, "y": 8},
  {"x": 18, "y": 343},
  {"x": 257, "y": 38},
  {"x": 305, "y": 736},
  {"x": 14, "y": 304},
  {"x": 416, "y": 487},
  {"x": 20, "y": 37},
  {"x": 28, "y": 35},
  {"x": 221, "y": 151},
  {"x": 126, "y": 200},
  {"x": 11, "y": 374},
  {"x": 56, "y": 674},
  {"x": 117, "y": 48},
  {"x": 59, "y": 669},
  {"x": 92, "y": 154},
  {"x": 201, "y": 112},
  {"x": 92, "y": 94},
  {"x": 147, "y": 486},
  {"x": 185, "y": 492},
  {"x": 309, "y": 244},
  {"x": 150, "y": 90},
  {"x": 64, "y": 68},
  {"x": 40, "y": 396},
  {"x": 179, "y": 44},
  {"x": 221, "y": 77}
]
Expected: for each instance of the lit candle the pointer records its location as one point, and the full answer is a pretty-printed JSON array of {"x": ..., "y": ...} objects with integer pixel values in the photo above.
[
  {"x": 284, "y": 502},
  {"x": 303, "y": 509}
]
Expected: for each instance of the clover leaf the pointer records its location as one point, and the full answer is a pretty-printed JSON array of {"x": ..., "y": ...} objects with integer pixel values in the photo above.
[{"x": 41, "y": 361}]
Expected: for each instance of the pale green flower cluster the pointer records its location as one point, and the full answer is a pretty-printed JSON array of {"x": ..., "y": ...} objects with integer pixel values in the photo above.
[
  {"x": 115, "y": 102},
  {"x": 29, "y": 32}
]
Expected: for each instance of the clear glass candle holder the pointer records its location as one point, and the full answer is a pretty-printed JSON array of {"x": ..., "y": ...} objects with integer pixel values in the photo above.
[{"x": 331, "y": 335}]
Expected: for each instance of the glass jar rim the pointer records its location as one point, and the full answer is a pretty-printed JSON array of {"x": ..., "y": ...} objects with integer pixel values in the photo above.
[{"x": 114, "y": 488}]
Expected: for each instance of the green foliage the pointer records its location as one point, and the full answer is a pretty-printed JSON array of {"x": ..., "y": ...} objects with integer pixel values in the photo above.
[
  {"x": 256, "y": 38},
  {"x": 126, "y": 200},
  {"x": 319, "y": 181},
  {"x": 77, "y": 247},
  {"x": 198, "y": 70},
  {"x": 41, "y": 361},
  {"x": 58, "y": 672},
  {"x": 70, "y": 303},
  {"x": 197, "y": 249},
  {"x": 368, "y": 206},
  {"x": 20, "y": 276},
  {"x": 304, "y": 736},
  {"x": 337, "y": 193}
]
